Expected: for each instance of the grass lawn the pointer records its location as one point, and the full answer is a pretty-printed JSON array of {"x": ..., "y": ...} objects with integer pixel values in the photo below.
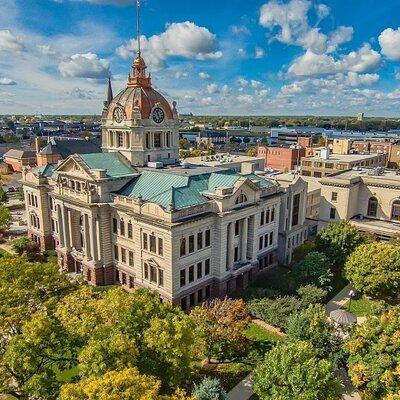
[
  {"x": 361, "y": 307},
  {"x": 338, "y": 283},
  {"x": 257, "y": 333}
]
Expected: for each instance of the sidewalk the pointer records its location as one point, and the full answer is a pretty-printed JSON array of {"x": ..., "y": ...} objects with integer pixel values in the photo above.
[{"x": 242, "y": 391}]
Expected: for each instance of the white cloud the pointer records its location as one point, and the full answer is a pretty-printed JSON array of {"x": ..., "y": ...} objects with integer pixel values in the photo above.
[
  {"x": 212, "y": 88},
  {"x": 225, "y": 90},
  {"x": 261, "y": 94},
  {"x": 240, "y": 30},
  {"x": 183, "y": 39},
  {"x": 81, "y": 94},
  {"x": 256, "y": 84},
  {"x": 10, "y": 43},
  {"x": 245, "y": 99},
  {"x": 364, "y": 59},
  {"x": 389, "y": 40},
  {"x": 181, "y": 74},
  {"x": 204, "y": 75},
  {"x": 7, "y": 82},
  {"x": 207, "y": 101},
  {"x": 46, "y": 50},
  {"x": 102, "y": 2},
  {"x": 87, "y": 65},
  {"x": 354, "y": 79},
  {"x": 242, "y": 82},
  {"x": 259, "y": 52},
  {"x": 291, "y": 19}
]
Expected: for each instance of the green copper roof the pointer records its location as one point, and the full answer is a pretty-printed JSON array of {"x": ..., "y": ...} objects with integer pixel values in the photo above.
[
  {"x": 113, "y": 163},
  {"x": 46, "y": 170},
  {"x": 168, "y": 188}
]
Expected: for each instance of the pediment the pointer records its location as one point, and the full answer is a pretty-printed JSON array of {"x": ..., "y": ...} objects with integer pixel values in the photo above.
[
  {"x": 72, "y": 167},
  {"x": 246, "y": 183},
  {"x": 152, "y": 262}
]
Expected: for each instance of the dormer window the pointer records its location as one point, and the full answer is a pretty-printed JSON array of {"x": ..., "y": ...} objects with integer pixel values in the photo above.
[{"x": 242, "y": 198}]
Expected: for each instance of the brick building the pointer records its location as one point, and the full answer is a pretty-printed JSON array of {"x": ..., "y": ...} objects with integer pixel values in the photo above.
[{"x": 281, "y": 158}]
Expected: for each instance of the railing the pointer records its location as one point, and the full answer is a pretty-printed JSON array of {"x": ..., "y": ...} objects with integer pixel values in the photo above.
[{"x": 86, "y": 197}]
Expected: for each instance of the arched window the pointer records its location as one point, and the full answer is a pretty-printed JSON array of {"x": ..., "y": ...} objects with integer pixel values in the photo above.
[
  {"x": 372, "y": 207},
  {"x": 241, "y": 199},
  {"x": 396, "y": 210}
]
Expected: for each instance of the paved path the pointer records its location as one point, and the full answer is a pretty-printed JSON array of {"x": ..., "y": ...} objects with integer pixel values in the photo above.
[
  {"x": 339, "y": 300},
  {"x": 242, "y": 391}
]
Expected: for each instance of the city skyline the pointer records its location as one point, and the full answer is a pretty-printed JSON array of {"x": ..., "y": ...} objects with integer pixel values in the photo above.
[{"x": 262, "y": 58}]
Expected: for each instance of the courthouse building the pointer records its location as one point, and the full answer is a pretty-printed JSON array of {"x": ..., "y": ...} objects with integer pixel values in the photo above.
[{"x": 132, "y": 215}]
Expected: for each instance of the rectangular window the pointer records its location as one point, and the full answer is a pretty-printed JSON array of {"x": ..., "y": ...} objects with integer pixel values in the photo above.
[
  {"x": 123, "y": 255},
  {"x": 273, "y": 214},
  {"x": 157, "y": 139},
  {"x": 267, "y": 216},
  {"x": 199, "y": 240},
  {"x": 237, "y": 228},
  {"x": 131, "y": 282},
  {"x": 266, "y": 240},
  {"x": 115, "y": 225},
  {"x": 130, "y": 230},
  {"x": 208, "y": 292},
  {"x": 191, "y": 243},
  {"x": 116, "y": 252},
  {"x": 334, "y": 196},
  {"x": 116, "y": 275},
  {"x": 191, "y": 273},
  {"x": 153, "y": 274},
  {"x": 199, "y": 270},
  {"x": 183, "y": 277},
  {"x": 332, "y": 214},
  {"x": 183, "y": 303},
  {"x": 161, "y": 277},
  {"x": 160, "y": 247},
  {"x": 207, "y": 267},
  {"x": 192, "y": 301},
  {"x": 183, "y": 247},
  {"x": 200, "y": 296},
  {"x": 146, "y": 271},
  {"x": 260, "y": 243},
  {"x": 296, "y": 209},
  {"x": 228, "y": 287},
  {"x": 262, "y": 218},
  {"x": 153, "y": 244},
  {"x": 208, "y": 237},
  {"x": 131, "y": 258},
  {"x": 145, "y": 241},
  {"x": 236, "y": 254},
  {"x": 123, "y": 279},
  {"x": 271, "y": 238}
]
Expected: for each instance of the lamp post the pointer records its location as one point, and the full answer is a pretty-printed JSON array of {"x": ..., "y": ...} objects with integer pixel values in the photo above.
[{"x": 352, "y": 294}]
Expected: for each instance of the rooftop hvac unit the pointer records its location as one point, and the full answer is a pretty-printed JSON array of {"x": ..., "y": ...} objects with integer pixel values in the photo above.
[{"x": 155, "y": 164}]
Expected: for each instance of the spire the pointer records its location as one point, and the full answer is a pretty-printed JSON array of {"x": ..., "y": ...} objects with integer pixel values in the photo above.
[
  {"x": 138, "y": 76},
  {"x": 109, "y": 91}
]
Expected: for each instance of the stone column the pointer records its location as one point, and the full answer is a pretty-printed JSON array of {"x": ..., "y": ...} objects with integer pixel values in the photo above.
[
  {"x": 86, "y": 236},
  {"x": 229, "y": 251},
  {"x": 98, "y": 238},
  {"x": 93, "y": 237},
  {"x": 60, "y": 226},
  {"x": 243, "y": 246},
  {"x": 65, "y": 227}
]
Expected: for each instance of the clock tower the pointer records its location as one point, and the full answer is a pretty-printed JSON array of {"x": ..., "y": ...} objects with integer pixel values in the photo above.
[{"x": 139, "y": 122}]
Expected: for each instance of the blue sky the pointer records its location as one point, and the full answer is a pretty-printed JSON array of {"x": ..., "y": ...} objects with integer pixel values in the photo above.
[{"x": 296, "y": 57}]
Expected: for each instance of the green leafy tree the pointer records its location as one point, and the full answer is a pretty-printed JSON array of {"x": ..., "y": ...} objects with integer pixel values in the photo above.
[
  {"x": 338, "y": 240},
  {"x": 3, "y": 195},
  {"x": 312, "y": 325},
  {"x": 374, "y": 269},
  {"x": 220, "y": 325},
  {"x": 314, "y": 269},
  {"x": 5, "y": 218},
  {"x": 301, "y": 251},
  {"x": 26, "y": 245},
  {"x": 373, "y": 356},
  {"x": 311, "y": 294},
  {"x": 209, "y": 389},
  {"x": 293, "y": 371}
]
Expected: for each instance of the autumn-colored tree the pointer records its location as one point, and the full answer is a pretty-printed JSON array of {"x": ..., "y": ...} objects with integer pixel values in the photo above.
[
  {"x": 127, "y": 384},
  {"x": 373, "y": 356},
  {"x": 374, "y": 269},
  {"x": 220, "y": 325}
]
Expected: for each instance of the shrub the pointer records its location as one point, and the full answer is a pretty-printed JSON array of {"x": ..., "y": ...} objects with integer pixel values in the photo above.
[
  {"x": 275, "y": 311},
  {"x": 209, "y": 389},
  {"x": 26, "y": 245},
  {"x": 314, "y": 269},
  {"x": 311, "y": 294}
]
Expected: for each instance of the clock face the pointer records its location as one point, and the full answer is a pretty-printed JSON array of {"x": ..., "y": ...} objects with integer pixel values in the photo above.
[
  {"x": 118, "y": 114},
  {"x": 158, "y": 115}
]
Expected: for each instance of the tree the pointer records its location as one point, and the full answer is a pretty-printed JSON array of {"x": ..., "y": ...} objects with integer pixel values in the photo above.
[
  {"x": 126, "y": 384},
  {"x": 5, "y": 218},
  {"x": 301, "y": 251},
  {"x": 311, "y": 325},
  {"x": 26, "y": 245},
  {"x": 373, "y": 355},
  {"x": 251, "y": 152},
  {"x": 184, "y": 144},
  {"x": 292, "y": 371},
  {"x": 338, "y": 240},
  {"x": 3, "y": 195},
  {"x": 314, "y": 269},
  {"x": 310, "y": 294},
  {"x": 209, "y": 389},
  {"x": 374, "y": 269},
  {"x": 220, "y": 325}
]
